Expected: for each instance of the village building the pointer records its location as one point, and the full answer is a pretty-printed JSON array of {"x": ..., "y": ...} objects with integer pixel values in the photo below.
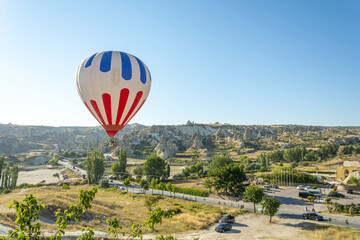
[{"x": 348, "y": 167}]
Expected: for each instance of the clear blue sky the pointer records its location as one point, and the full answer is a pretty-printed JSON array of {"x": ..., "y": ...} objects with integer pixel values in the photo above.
[{"x": 238, "y": 62}]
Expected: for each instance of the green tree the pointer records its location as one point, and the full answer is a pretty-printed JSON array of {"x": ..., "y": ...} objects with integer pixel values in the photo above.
[
  {"x": 271, "y": 206},
  {"x": 95, "y": 166},
  {"x": 254, "y": 194},
  {"x": 161, "y": 186},
  {"x": 56, "y": 175},
  {"x": 122, "y": 160},
  {"x": 2, "y": 159},
  {"x": 116, "y": 169},
  {"x": 138, "y": 170},
  {"x": 151, "y": 201},
  {"x": 229, "y": 179},
  {"x": 354, "y": 180},
  {"x": 14, "y": 176},
  {"x": 154, "y": 166},
  {"x": 127, "y": 182},
  {"x": 5, "y": 178},
  {"x": 217, "y": 163},
  {"x": 104, "y": 183}
]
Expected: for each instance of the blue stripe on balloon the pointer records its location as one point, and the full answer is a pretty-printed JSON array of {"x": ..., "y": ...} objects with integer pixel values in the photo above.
[
  {"x": 142, "y": 71},
  {"x": 126, "y": 66},
  {"x": 105, "y": 64},
  {"x": 89, "y": 61}
]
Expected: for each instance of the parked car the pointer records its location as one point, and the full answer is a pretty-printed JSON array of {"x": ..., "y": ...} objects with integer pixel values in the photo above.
[
  {"x": 267, "y": 187},
  {"x": 43, "y": 181},
  {"x": 300, "y": 187},
  {"x": 338, "y": 195},
  {"x": 227, "y": 219},
  {"x": 313, "y": 216},
  {"x": 274, "y": 186},
  {"x": 305, "y": 194},
  {"x": 222, "y": 227},
  {"x": 307, "y": 187},
  {"x": 350, "y": 191},
  {"x": 315, "y": 192}
]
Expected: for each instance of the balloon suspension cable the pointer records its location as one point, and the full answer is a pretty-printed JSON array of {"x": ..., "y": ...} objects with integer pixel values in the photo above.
[{"x": 112, "y": 143}]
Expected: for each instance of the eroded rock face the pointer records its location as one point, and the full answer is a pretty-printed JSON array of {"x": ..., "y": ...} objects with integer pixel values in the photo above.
[
  {"x": 345, "y": 140},
  {"x": 168, "y": 140}
]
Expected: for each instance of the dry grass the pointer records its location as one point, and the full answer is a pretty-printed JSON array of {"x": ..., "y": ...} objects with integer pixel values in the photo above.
[
  {"x": 333, "y": 233},
  {"x": 191, "y": 183},
  {"x": 107, "y": 204}
]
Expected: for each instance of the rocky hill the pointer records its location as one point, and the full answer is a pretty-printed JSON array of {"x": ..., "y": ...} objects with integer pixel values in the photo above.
[
  {"x": 169, "y": 140},
  {"x": 21, "y": 139}
]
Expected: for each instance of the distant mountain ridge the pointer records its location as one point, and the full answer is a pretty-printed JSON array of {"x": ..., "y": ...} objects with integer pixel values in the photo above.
[
  {"x": 166, "y": 140},
  {"x": 21, "y": 138}
]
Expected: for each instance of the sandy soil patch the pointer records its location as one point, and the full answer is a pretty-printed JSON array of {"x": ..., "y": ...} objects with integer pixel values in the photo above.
[
  {"x": 255, "y": 227},
  {"x": 36, "y": 176}
]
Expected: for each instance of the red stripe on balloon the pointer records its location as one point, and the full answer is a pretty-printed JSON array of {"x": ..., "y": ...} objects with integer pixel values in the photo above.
[
  {"x": 96, "y": 108},
  {"x": 133, "y": 106},
  {"x": 107, "y": 105},
  {"x": 136, "y": 111},
  {"x": 91, "y": 112},
  {"x": 124, "y": 94}
]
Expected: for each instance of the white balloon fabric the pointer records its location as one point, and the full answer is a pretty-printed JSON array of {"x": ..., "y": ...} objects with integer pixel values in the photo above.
[{"x": 113, "y": 86}]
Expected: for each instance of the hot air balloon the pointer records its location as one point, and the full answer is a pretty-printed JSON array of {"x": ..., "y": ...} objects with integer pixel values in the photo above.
[{"x": 113, "y": 86}]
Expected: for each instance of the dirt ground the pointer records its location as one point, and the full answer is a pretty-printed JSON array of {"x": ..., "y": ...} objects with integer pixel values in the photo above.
[
  {"x": 256, "y": 227},
  {"x": 36, "y": 176}
]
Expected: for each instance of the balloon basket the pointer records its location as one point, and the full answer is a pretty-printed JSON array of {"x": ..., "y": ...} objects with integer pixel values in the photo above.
[{"x": 112, "y": 143}]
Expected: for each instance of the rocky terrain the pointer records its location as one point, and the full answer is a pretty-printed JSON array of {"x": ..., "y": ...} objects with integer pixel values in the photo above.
[
  {"x": 22, "y": 139},
  {"x": 168, "y": 140}
]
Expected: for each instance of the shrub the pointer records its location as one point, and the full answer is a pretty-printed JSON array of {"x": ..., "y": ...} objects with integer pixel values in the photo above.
[
  {"x": 104, "y": 183},
  {"x": 327, "y": 200},
  {"x": 314, "y": 187},
  {"x": 65, "y": 186},
  {"x": 6, "y": 191}
]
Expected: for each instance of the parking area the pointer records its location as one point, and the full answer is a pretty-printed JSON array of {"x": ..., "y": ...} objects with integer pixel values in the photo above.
[{"x": 289, "y": 197}]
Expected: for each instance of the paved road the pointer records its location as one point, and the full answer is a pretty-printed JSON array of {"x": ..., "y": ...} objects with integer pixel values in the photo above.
[{"x": 292, "y": 207}]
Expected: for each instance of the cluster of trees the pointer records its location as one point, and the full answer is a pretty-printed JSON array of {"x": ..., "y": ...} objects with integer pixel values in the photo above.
[
  {"x": 196, "y": 170},
  {"x": 298, "y": 154},
  {"x": 255, "y": 194},
  {"x": 119, "y": 168},
  {"x": 9, "y": 176},
  {"x": 95, "y": 166},
  {"x": 226, "y": 176},
  {"x": 351, "y": 149},
  {"x": 72, "y": 154}
]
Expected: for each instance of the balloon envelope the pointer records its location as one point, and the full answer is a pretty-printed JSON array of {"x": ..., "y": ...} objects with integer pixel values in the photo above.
[{"x": 113, "y": 86}]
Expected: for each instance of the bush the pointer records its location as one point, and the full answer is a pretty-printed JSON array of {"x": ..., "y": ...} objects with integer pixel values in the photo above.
[
  {"x": 104, "y": 183},
  {"x": 314, "y": 187},
  {"x": 6, "y": 191},
  {"x": 65, "y": 186}
]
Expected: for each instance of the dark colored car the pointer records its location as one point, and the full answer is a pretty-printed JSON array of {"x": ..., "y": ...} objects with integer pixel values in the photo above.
[
  {"x": 222, "y": 227},
  {"x": 350, "y": 191},
  {"x": 227, "y": 219},
  {"x": 338, "y": 195},
  {"x": 313, "y": 216},
  {"x": 305, "y": 194}
]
